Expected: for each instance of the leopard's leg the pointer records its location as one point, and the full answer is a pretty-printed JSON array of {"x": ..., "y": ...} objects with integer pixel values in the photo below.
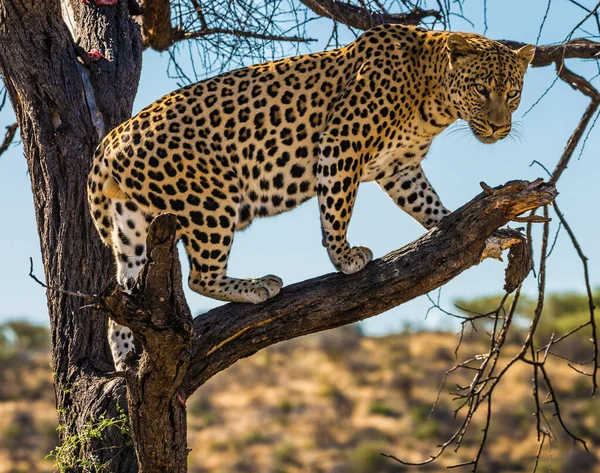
[
  {"x": 208, "y": 240},
  {"x": 130, "y": 228},
  {"x": 120, "y": 340},
  {"x": 412, "y": 192},
  {"x": 337, "y": 184},
  {"x": 340, "y": 169},
  {"x": 122, "y": 227}
]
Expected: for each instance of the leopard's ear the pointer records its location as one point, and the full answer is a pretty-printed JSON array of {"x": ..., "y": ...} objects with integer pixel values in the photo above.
[
  {"x": 526, "y": 53},
  {"x": 459, "y": 48}
]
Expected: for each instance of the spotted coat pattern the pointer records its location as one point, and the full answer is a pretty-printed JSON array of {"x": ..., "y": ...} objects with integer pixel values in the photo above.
[{"x": 258, "y": 141}]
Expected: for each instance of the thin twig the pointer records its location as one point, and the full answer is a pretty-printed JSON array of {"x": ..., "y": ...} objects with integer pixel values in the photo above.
[
  {"x": 181, "y": 34},
  {"x": 579, "y": 83},
  {"x": 97, "y": 302},
  {"x": 588, "y": 287},
  {"x": 11, "y": 130}
]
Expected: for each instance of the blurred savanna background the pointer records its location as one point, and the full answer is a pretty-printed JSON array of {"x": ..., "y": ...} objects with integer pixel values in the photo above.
[{"x": 335, "y": 401}]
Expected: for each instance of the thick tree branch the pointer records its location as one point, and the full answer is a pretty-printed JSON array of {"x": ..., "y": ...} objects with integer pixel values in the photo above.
[
  {"x": 234, "y": 331},
  {"x": 573, "y": 49},
  {"x": 363, "y": 19},
  {"x": 157, "y": 31}
]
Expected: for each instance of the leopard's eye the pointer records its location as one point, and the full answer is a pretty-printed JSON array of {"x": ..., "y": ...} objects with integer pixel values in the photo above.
[
  {"x": 482, "y": 89},
  {"x": 513, "y": 93}
]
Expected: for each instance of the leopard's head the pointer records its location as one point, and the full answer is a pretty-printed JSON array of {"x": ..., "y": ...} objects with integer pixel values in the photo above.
[{"x": 484, "y": 83}]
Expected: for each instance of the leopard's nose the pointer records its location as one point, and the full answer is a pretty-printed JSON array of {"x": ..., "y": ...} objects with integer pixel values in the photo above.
[{"x": 495, "y": 128}]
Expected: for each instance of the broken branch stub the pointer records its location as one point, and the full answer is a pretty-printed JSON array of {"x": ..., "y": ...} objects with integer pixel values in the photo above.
[{"x": 161, "y": 321}]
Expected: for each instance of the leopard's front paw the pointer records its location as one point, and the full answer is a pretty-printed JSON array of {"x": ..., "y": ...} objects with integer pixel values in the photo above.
[
  {"x": 272, "y": 284},
  {"x": 261, "y": 289},
  {"x": 353, "y": 260}
]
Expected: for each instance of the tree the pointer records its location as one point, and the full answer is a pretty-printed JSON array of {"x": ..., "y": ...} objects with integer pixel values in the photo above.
[{"x": 66, "y": 99}]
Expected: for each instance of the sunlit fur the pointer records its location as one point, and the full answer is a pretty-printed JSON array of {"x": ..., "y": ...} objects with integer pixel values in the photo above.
[{"x": 485, "y": 80}]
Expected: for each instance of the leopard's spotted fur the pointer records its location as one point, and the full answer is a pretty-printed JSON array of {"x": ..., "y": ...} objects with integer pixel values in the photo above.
[{"x": 261, "y": 140}]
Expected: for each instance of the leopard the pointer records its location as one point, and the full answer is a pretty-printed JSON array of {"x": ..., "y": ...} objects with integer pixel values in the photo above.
[{"x": 260, "y": 140}]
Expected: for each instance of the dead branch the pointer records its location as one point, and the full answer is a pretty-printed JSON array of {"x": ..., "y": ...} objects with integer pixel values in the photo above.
[
  {"x": 547, "y": 54},
  {"x": 579, "y": 83},
  {"x": 486, "y": 376},
  {"x": 582, "y": 85},
  {"x": 180, "y": 34},
  {"x": 364, "y": 19},
  {"x": 591, "y": 306}
]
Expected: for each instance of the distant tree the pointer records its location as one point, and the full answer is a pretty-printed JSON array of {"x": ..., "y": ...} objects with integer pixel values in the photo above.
[
  {"x": 564, "y": 312},
  {"x": 23, "y": 335}
]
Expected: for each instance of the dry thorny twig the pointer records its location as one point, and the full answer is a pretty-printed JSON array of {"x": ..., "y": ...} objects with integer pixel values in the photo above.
[
  {"x": 11, "y": 130},
  {"x": 225, "y": 34}
]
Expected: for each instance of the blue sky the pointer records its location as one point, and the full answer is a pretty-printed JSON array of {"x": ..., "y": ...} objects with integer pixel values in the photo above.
[{"x": 289, "y": 245}]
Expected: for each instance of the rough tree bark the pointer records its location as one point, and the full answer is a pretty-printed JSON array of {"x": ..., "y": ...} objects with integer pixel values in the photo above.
[{"x": 60, "y": 106}]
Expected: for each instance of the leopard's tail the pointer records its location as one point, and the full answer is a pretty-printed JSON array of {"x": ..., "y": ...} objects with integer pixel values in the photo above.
[{"x": 102, "y": 188}]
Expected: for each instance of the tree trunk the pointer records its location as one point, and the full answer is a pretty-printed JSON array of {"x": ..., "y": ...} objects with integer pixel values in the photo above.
[{"x": 62, "y": 106}]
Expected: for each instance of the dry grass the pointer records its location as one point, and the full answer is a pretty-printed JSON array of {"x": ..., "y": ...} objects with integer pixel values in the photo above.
[{"x": 332, "y": 403}]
